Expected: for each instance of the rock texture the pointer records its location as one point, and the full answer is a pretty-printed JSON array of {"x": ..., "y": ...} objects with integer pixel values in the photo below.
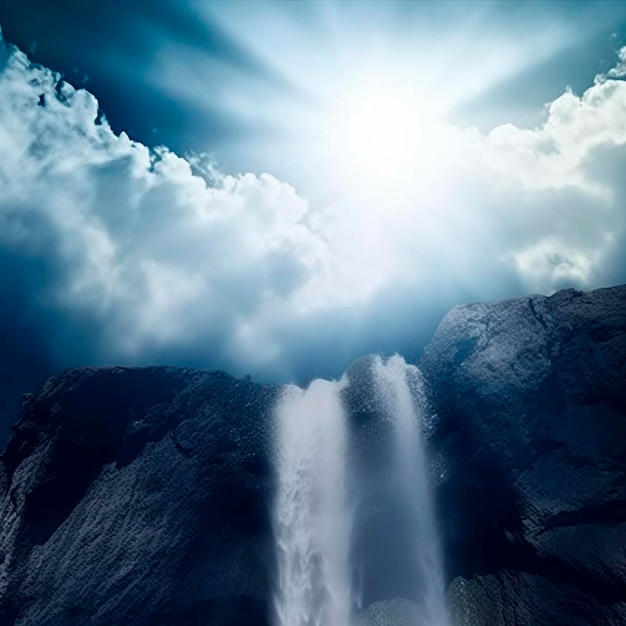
[
  {"x": 142, "y": 496},
  {"x": 530, "y": 397},
  {"x": 137, "y": 496}
]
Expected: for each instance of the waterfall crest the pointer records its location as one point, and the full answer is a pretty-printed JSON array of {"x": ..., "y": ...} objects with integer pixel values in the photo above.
[
  {"x": 401, "y": 389},
  {"x": 312, "y": 519}
]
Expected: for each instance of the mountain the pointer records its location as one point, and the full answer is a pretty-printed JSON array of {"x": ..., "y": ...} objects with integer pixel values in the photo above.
[
  {"x": 137, "y": 496},
  {"x": 531, "y": 402},
  {"x": 144, "y": 495}
]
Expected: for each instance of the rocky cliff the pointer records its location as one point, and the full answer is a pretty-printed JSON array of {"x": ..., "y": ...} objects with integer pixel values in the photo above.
[
  {"x": 141, "y": 496},
  {"x": 137, "y": 496},
  {"x": 530, "y": 396}
]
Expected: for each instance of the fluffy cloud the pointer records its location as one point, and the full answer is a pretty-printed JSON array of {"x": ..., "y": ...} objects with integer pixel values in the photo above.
[
  {"x": 562, "y": 194},
  {"x": 133, "y": 254},
  {"x": 153, "y": 246},
  {"x": 619, "y": 71}
]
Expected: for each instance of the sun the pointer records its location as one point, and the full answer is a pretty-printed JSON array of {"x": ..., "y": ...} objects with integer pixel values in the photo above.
[
  {"x": 385, "y": 143},
  {"x": 376, "y": 130}
]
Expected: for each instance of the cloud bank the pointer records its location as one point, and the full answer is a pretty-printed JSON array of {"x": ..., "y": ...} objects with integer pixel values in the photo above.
[{"x": 113, "y": 252}]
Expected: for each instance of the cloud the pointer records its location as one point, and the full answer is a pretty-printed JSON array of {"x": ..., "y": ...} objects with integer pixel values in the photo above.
[
  {"x": 127, "y": 254},
  {"x": 564, "y": 199},
  {"x": 619, "y": 71},
  {"x": 140, "y": 242}
]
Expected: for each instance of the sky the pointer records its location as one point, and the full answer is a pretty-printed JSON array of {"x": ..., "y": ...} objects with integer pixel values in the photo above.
[{"x": 276, "y": 188}]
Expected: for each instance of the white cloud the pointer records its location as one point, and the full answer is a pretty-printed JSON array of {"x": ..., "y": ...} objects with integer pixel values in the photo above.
[
  {"x": 619, "y": 71},
  {"x": 162, "y": 251},
  {"x": 149, "y": 248},
  {"x": 568, "y": 215}
]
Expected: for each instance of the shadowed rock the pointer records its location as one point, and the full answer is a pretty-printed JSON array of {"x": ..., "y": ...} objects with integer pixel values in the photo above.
[
  {"x": 138, "y": 496},
  {"x": 531, "y": 402}
]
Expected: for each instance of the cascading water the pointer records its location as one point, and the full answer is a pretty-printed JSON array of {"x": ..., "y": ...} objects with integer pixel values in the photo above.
[
  {"x": 313, "y": 516},
  {"x": 402, "y": 393},
  {"x": 312, "y": 520}
]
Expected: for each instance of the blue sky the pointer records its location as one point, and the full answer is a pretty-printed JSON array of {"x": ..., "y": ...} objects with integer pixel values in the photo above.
[{"x": 277, "y": 188}]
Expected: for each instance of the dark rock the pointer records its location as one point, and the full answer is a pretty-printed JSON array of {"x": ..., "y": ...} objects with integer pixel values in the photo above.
[
  {"x": 138, "y": 496},
  {"x": 531, "y": 421}
]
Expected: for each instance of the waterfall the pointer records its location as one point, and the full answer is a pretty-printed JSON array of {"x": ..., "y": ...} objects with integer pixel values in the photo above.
[
  {"x": 312, "y": 519},
  {"x": 401, "y": 390}
]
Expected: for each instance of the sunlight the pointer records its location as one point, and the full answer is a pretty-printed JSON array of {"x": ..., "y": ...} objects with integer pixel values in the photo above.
[
  {"x": 385, "y": 143},
  {"x": 360, "y": 108}
]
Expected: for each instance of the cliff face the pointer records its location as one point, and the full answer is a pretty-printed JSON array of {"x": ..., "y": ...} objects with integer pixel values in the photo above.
[
  {"x": 138, "y": 496},
  {"x": 142, "y": 496},
  {"x": 530, "y": 396}
]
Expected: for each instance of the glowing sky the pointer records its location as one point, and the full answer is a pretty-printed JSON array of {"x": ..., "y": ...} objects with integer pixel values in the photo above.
[{"x": 277, "y": 188}]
